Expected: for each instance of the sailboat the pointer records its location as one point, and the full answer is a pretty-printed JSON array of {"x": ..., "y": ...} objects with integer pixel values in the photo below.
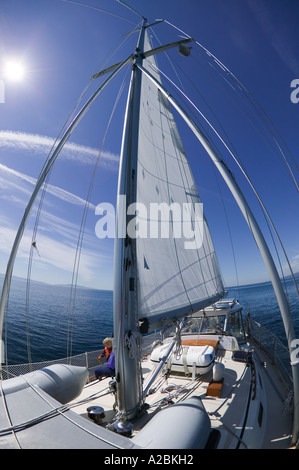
[{"x": 203, "y": 380}]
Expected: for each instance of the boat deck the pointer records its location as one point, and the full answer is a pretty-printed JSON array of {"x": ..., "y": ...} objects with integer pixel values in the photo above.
[{"x": 243, "y": 415}]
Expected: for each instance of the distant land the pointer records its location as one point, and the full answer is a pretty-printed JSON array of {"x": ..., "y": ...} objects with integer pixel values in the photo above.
[
  {"x": 286, "y": 278},
  {"x": 54, "y": 285}
]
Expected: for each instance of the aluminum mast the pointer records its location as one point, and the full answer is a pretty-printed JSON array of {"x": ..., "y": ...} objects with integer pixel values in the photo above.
[{"x": 129, "y": 391}]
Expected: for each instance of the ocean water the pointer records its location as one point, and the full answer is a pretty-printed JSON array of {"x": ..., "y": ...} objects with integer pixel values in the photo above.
[
  {"x": 49, "y": 318},
  {"x": 260, "y": 301},
  {"x": 51, "y": 321}
]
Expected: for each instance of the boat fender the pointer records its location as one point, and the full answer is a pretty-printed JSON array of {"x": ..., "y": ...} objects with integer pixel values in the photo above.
[
  {"x": 218, "y": 372},
  {"x": 61, "y": 381},
  {"x": 164, "y": 430}
]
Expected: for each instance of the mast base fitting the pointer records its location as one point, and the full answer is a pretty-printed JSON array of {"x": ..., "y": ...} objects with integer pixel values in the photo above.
[{"x": 124, "y": 428}]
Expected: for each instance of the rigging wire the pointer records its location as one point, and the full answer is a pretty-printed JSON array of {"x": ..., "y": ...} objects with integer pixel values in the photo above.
[
  {"x": 234, "y": 155},
  {"x": 266, "y": 214},
  {"x": 229, "y": 229},
  {"x": 183, "y": 170},
  {"x": 8, "y": 415},
  {"x": 258, "y": 108},
  {"x": 217, "y": 62},
  {"x": 82, "y": 228},
  {"x": 37, "y": 220},
  {"x": 267, "y": 217},
  {"x": 216, "y": 282},
  {"x": 176, "y": 89},
  {"x": 166, "y": 112},
  {"x": 127, "y": 37},
  {"x": 98, "y": 9},
  {"x": 168, "y": 58},
  {"x": 43, "y": 192},
  {"x": 130, "y": 8}
]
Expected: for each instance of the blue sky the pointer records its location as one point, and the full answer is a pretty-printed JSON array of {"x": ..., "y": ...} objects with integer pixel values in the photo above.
[{"x": 61, "y": 45}]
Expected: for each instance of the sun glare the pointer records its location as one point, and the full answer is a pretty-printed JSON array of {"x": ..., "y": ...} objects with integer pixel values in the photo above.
[{"x": 14, "y": 71}]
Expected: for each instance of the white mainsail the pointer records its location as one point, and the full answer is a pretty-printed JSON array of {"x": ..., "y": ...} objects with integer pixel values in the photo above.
[{"x": 172, "y": 279}]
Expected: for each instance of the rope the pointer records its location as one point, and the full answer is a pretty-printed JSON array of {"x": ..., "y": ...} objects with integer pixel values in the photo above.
[{"x": 133, "y": 341}]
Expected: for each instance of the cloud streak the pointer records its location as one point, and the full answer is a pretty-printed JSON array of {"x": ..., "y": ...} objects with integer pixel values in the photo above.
[
  {"x": 53, "y": 253},
  {"x": 276, "y": 35},
  {"x": 62, "y": 194},
  {"x": 57, "y": 237},
  {"x": 57, "y": 241},
  {"x": 41, "y": 144}
]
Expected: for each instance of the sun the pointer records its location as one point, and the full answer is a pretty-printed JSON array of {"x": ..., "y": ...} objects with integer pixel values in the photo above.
[{"x": 14, "y": 70}]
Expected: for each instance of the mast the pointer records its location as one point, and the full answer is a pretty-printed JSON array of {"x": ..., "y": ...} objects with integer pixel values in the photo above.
[
  {"x": 259, "y": 239},
  {"x": 128, "y": 379}
]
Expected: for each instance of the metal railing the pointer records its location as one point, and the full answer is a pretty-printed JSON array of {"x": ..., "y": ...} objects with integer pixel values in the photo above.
[
  {"x": 86, "y": 359},
  {"x": 277, "y": 352}
]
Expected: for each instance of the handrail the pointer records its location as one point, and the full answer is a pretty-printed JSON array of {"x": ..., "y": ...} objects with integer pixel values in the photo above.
[{"x": 273, "y": 347}]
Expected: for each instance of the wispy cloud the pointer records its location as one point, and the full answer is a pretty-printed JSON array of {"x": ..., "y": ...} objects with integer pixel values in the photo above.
[
  {"x": 41, "y": 144},
  {"x": 14, "y": 183},
  {"x": 57, "y": 237},
  {"x": 57, "y": 244},
  {"x": 52, "y": 253},
  {"x": 276, "y": 33}
]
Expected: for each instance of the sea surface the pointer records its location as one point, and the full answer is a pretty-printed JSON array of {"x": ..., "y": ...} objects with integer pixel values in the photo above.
[{"x": 50, "y": 320}]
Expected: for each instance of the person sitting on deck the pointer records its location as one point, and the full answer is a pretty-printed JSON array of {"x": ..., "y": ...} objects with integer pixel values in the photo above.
[
  {"x": 106, "y": 370},
  {"x": 105, "y": 354}
]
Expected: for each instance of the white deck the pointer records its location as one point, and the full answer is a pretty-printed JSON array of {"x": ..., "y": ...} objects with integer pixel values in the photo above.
[{"x": 248, "y": 396}]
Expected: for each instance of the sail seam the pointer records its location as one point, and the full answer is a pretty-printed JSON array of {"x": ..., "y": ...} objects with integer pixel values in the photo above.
[{"x": 210, "y": 255}]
